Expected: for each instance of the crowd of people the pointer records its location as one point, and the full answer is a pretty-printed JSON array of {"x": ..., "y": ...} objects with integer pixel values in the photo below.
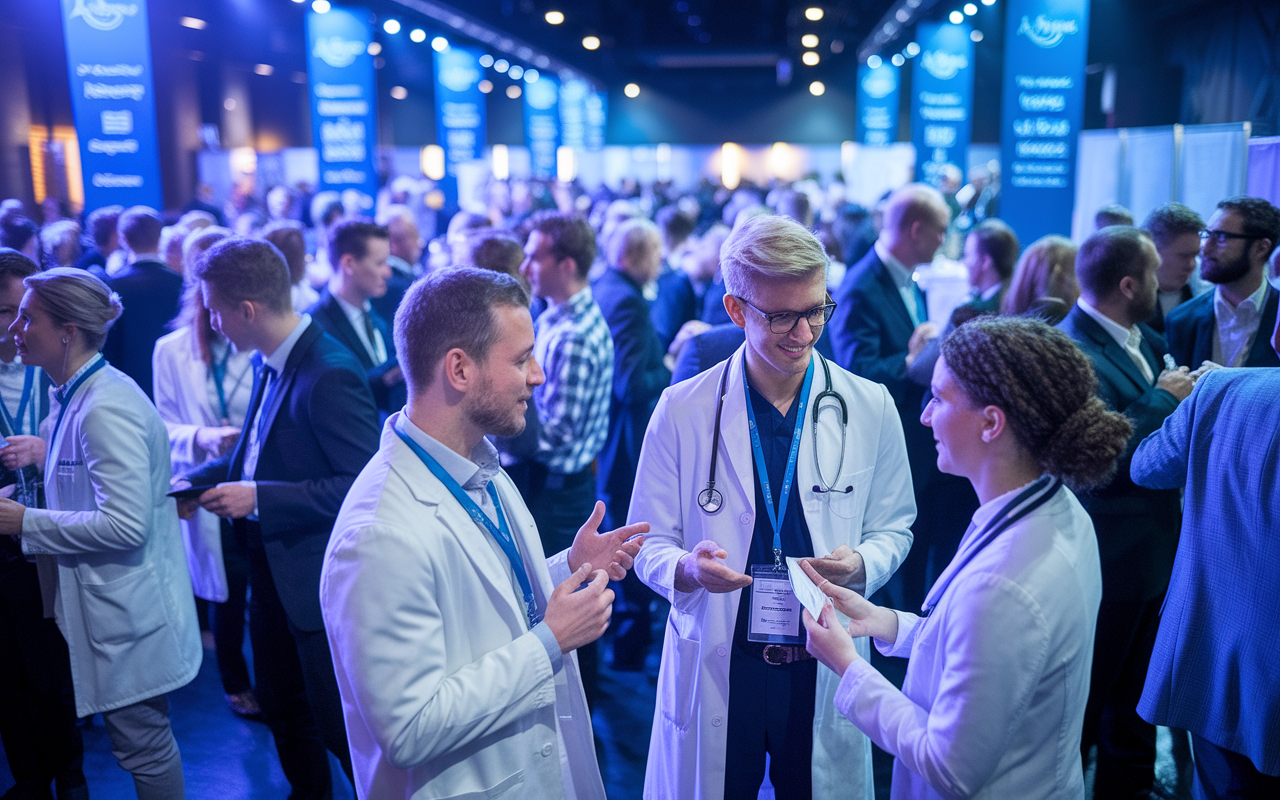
[{"x": 432, "y": 471}]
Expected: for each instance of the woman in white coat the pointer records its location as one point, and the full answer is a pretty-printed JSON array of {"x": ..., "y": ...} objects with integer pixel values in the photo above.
[
  {"x": 993, "y": 701},
  {"x": 203, "y": 386},
  {"x": 112, "y": 567}
]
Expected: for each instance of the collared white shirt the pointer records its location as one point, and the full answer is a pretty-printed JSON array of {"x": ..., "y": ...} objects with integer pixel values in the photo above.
[
  {"x": 276, "y": 361},
  {"x": 1236, "y": 326},
  {"x": 1129, "y": 338},
  {"x": 901, "y": 275},
  {"x": 377, "y": 349},
  {"x": 13, "y": 376}
]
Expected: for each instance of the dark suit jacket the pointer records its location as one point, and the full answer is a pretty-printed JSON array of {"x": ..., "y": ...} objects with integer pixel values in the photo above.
[
  {"x": 1190, "y": 326},
  {"x": 397, "y": 285},
  {"x": 1137, "y": 528},
  {"x": 713, "y": 312},
  {"x": 321, "y": 430},
  {"x": 715, "y": 345},
  {"x": 328, "y": 314},
  {"x": 152, "y": 296},
  {"x": 639, "y": 377},
  {"x": 1156, "y": 323},
  {"x": 676, "y": 304},
  {"x": 921, "y": 370},
  {"x": 869, "y": 333}
]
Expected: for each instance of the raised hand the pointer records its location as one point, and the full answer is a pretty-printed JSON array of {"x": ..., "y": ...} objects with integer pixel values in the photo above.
[
  {"x": 704, "y": 567},
  {"x": 612, "y": 549},
  {"x": 865, "y": 618},
  {"x": 580, "y": 617},
  {"x": 828, "y": 641}
]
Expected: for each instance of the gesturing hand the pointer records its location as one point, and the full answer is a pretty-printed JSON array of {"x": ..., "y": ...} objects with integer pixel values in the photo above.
[
  {"x": 828, "y": 641},
  {"x": 580, "y": 617},
  {"x": 23, "y": 450},
  {"x": 865, "y": 618},
  {"x": 610, "y": 549},
  {"x": 704, "y": 567},
  {"x": 843, "y": 567}
]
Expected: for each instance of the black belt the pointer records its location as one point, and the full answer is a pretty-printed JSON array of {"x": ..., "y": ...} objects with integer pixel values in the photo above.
[{"x": 775, "y": 654}]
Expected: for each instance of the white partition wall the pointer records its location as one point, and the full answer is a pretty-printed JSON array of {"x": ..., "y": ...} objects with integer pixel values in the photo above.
[{"x": 1142, "y": 168}]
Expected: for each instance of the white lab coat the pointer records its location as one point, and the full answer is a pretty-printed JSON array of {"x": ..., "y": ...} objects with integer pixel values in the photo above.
[
  {"x": 182, "y": 398},
  {"x": 111, "y": 558},
  {"x": 687, "y": 748},
  {"x": 445, "y": 691},
  {"x": 993, "y": 701}
]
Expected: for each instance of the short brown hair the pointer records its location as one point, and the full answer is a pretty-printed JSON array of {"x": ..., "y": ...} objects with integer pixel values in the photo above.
[
  {"x": 140, "y": 228},
  {"x": 239, "y": 269},
  {"x": 997, "y": 240},
  {"x": 446, "y": 309},
  {"x": 350, "y": 236},
  {"x": 571, "y": 237},
  {"x": 495, "y": 250},
  {"x": 1170, "y": 221},
  {"x": 1110, "y": 255},
  {"x": 287, "y": 236}
]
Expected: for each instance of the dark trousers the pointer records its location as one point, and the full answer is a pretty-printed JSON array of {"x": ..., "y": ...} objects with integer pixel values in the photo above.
[
  {"x": 1223, "y": 774},
  {"x": 297, "y": 688},
  {"x": 228, "y": 617},
  {"x": 770, "y": 711},
  {"x": 37, "y": 700},
  {"x": 1126, "y": 743},
  {"x": 560, "y": 504}
]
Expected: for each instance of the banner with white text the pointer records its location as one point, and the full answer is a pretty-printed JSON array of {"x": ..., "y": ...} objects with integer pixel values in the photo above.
[
  {"x": 542, "y": 125},
  {"x": 942, "y": 99},
  {"x": 460, "y": 106},
  {"x": 344, "y": 122},
  {"x": 1042, "y": 109},
  {"x": 112, "y": 95},
  {"x": 877, "y": 104}
]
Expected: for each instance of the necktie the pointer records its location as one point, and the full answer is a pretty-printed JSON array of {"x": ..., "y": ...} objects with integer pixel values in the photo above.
[
  {"x": 268, "y": 391},
  {"x": 372, "y": 333}
]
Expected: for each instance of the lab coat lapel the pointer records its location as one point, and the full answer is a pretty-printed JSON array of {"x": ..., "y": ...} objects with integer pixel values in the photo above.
[
  {"x": 736, "y": 473},
  {"x": 449, "y": 514}
]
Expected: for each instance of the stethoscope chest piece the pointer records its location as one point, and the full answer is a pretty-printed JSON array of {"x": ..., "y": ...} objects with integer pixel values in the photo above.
[{"x": 710, "y": 500}]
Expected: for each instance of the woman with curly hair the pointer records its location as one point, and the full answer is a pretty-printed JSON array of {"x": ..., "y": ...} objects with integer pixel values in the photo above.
[{"x": 994, "y": 696}]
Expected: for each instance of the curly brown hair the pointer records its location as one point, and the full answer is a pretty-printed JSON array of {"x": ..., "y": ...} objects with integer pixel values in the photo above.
[{"x": 1047, "y": 390}]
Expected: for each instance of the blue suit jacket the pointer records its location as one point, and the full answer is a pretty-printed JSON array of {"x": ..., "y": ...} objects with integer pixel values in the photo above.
[
  {"x": 1189, "y": 329},
  {"x": 1216, "y": 663},
  {"x": 152, "y": 296},
  {"x": 715, "y": 345},
  {"x": 321, "y": 430},
  {"x": 639, "y": 377},
  {"x": 328, "y": 314},
  {"x": 676, "y": 304},
  {"x": 1137, "y": 528}
]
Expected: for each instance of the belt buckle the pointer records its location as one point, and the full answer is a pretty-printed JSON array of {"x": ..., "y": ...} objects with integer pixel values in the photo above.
[{"x": 775, "y": 655}]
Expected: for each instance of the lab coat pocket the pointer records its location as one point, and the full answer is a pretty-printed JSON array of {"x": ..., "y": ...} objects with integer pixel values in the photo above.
[
  {"x": 124, "y": 610},
  {"x": 504, "y": 788},
  {"x": 848, "y": 495},
  {"x": 681, "y": 684}
]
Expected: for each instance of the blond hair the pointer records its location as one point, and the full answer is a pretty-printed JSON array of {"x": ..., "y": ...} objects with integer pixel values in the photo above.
[
  {"x": 770, "y": 247},
  {"x": 77, "y": 297}
]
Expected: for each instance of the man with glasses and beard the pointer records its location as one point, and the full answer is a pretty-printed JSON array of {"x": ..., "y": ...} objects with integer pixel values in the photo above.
[{"x": 1222, "y": 325}]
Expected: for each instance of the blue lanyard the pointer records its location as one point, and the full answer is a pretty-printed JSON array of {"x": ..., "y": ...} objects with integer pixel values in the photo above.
[
  {"x": 1034, "y": 496},
  {"x": 500, "y": 532},
  {"x": 15, "y": 422},
  {"x": 776, "y": 517},
  {"x": 64, "y": 399},
  {"x": 219, "y": 370}
]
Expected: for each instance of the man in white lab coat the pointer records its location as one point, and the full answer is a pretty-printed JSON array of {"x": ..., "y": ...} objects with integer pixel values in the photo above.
[
  {"x": 454, "y": 654},
  {"x": 736, "y": 682}
]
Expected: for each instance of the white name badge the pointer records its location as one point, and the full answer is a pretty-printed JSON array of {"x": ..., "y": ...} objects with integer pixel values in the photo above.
[{"x": 775, "y": 610}]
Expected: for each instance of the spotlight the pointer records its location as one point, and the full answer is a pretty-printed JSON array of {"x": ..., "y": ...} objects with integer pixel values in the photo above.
[
  {"x": 553, "y": 17},
  {"x": 813, "y": 14},
  {"x": 486, "y": 61},
  {"x": 913, "y": 49},
  {"x": 391, "y": 26},
  {"x": 956, "y": 17},
  {"x": 975, "y": 35},
  {"x": 810, "y": 58},
  {"x": 439, "y": 44},
  {"x": 513, "y": 91},
  {"x": 817, "y": 88},
  {"x": 418, "y": 35},
  {"x": 809, "y": 40},
  {"x": 591, "y": 42},
  {"x": 874, "y": 62},
  {"x": 374, "y": 48},
  {"x": 898, "y": 60},
  {"x": 531, "y": 76},
  {"x": 970, "y": 9},
  {"x": 988, "y": 2},
  {"x": 501, "y": 65},
  {"x": 263, "y": 69},
  {"x": 320, "y": 6},
  {"x": 399, "y": 92},
  {"x": 631, "y": 90},
  {"x": 229, "y": 104},
  {"x": 485, "y": 86},
  {"x": 193, "y": 23},
  {"x": 516, "y": 72},
  {"x": 431, "y": 160}
]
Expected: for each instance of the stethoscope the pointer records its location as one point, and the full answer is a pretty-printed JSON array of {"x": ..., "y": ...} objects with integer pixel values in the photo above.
[{"x": 711, "y": 500}]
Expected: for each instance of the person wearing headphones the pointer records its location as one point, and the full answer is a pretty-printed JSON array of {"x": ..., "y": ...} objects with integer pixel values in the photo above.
[{"x": 803, "y": 459}]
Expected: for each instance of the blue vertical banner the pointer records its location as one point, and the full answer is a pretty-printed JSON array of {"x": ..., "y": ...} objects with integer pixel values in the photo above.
[
  {"x": 573, "y": 112},
  {"x": 877, "y": 104},
  {"x": 1042, "y": 109},
  {"x": 113, "y": 97},
  {"x": 942, "y": 99},
  {"x": 344, "y": 122},
  {"x": 542, "y": 125},
  {"x": 597, "y": 104},
  {"x": 460, "y": 108}
]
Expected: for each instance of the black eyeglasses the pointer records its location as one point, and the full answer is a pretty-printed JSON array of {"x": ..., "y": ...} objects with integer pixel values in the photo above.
[
  {"x": 1220, "y": 238},
  {"x": 786, "y": 321}
]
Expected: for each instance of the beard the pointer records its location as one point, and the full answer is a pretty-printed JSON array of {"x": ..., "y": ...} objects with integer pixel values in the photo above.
[
  {"x": 1219, "y": 271},
  {"x": 492, "y": 415}
]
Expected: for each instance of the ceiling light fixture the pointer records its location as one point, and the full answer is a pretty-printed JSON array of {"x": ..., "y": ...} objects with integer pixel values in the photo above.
[
  {"x": 874, "y": 62},
  {"x": 374, "y": 48},
  {"x": 956, "y": 17},
  {"x": 391, "y": 26},
  {"x": 320, "y": 6},
  {"x": 513, "y": 91},
  {"x": 810, "y": 58},
  {"x": 970, "y": 9},
  {"x": 531, "y": 76},
  {"x": 501, "y": 65},
  {"x": 439, "y": 44},
  {"x": 591, "y": 42},
  {"x": 809, "y": 40},
  {"x": 898, "y": 60},
  {"x": 813, "y": 14},
  {"x": 516, "y": 72},
  {"x": 193, "y": 23},
  {"x": 817, "y": 88},
  {"x": 631, "y": 90},
  {"x": 485, "y": 86},
  {"x": 263, "y": 69},
  {"x": 418, "y": 35},
  {"x": 553, "y": 17},
  {"x": 399, "y": 92},
  {"x": 486, "y": 61},
  {"x": 975, "y": 35}
]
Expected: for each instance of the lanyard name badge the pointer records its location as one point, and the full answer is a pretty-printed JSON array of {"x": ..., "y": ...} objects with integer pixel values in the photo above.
[
  {"x": 15, "y": 421},
  {"x": 775, "y": 609},
  {"x": 500, "y": 532}
]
